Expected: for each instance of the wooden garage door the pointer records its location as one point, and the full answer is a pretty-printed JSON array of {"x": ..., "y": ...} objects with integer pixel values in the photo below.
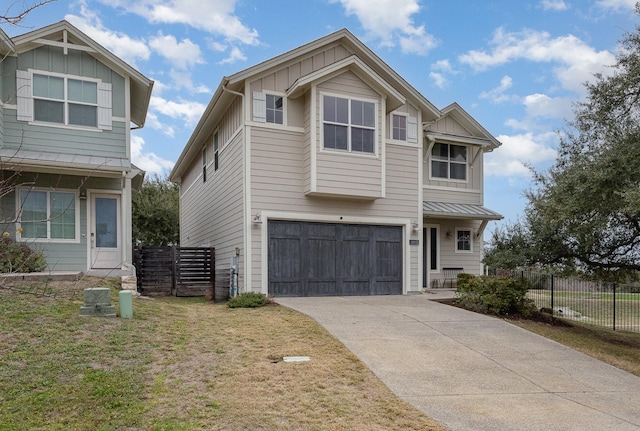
[{"x": 323, "y": 259}]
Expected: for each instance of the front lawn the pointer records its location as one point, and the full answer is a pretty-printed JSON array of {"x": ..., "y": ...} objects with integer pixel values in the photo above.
[{"x": 181, "y": 364}]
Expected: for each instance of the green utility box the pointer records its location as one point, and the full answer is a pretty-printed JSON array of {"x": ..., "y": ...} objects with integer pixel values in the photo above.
[{"x": 125, "y": 298}]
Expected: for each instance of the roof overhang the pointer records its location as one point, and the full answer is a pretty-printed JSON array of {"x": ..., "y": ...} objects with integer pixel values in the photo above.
[
  {"x": 352, "y": 63},
  {"x": 64, "y": 35},
  {"x": 72, "y": 164},
  {"x": 449, "y": 210},
  {"x": 478, "y": 134}
]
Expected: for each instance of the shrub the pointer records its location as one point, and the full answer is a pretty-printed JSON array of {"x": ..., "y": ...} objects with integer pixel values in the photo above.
[
  {"x": 494, "y": 295},
  {"x": 247, "y": 300},
  {"x": 19, "y": 257}
]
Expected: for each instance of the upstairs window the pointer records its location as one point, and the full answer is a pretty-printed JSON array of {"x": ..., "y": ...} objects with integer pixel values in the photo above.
[
  {"x": 268, "y": 108},
  {"x": 204, "y": 164},
  {"x": 404, "y": 128},
  {"x": 48, "y": 215},
  {"x": 63, "y": 100},
  {"x": 449, "y": 161},
  {"x": 216, "y": 150},
  {"x": 275, "y": 113},
  {"x": 349, "y": 125}
]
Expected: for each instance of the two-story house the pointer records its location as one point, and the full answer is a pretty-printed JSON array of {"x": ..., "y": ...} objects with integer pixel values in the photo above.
[
  {"x": 323, "y": 172},
  {"x": 67, "y": 109}
]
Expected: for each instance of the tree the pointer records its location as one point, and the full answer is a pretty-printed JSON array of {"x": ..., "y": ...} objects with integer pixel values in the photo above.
[
  {"x": 13, "y": 15},
  {"x": 584, "y": 212},
  {"x": 155, "y": 213}
]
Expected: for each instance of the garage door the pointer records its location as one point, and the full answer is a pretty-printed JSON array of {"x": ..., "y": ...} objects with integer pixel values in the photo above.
[{"x": 324, "y": 259}]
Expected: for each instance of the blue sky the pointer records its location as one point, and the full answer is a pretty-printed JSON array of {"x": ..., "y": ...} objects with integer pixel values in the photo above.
[{"x": 516, "y": 66}]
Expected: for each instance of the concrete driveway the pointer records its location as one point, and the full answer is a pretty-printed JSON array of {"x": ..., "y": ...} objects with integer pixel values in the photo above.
[{"x": 474, "y": 372}]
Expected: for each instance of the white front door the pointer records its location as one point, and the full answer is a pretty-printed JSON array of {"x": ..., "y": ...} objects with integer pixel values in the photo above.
[{"x": 106, "y": 247}]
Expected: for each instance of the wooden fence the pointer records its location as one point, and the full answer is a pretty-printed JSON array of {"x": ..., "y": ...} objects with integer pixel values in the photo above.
[{"x": 178, "y": 271}]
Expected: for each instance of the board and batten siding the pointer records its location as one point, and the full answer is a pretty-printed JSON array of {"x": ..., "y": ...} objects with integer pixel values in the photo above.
[
  {"x": 211, "y": 212},
  {"x": 77, "y": 63},
  {"x": 64, "y": 140},
  {"x": 277, "y": 184}
]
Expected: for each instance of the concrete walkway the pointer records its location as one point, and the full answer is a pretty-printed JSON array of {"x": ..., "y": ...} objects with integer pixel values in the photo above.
[{"x": 474, "y": 372}]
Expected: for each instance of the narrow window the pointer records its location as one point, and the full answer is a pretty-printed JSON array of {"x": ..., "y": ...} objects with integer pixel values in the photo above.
[
  {"x": 399, "y": 127},
  {"x": 433, "y": 248},
  {"x": 275, "y": 109},
  {"x": 204, "y": 164},
  {"x": 216, "y": 150}
]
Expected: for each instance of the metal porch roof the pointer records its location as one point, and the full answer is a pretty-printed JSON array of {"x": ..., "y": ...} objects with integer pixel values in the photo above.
[{"x": 459, "y": 210}]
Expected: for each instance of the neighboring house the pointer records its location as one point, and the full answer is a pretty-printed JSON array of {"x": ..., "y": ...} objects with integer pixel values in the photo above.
[
  {"x": 67, "y": 108},
  {"x": 326, "y": 173}
]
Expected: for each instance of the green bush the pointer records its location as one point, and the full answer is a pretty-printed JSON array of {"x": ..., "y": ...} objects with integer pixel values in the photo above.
[
  {"x": 247, "y": 300},
  {"x": 19, "y": 257},
  {"x": 494, "y": 295}
]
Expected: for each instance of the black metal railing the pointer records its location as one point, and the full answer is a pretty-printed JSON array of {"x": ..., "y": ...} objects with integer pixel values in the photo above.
[{"x": 612, "y": 305}]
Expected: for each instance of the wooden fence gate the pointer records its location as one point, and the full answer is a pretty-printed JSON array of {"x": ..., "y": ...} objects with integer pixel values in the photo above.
[{"x": 178, "y": 271}]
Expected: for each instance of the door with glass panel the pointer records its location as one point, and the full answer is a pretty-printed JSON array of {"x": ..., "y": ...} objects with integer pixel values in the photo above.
[{"x": 106, "y": 247}]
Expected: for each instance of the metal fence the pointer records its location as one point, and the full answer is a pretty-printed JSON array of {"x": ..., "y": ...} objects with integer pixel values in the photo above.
[{"x": 611, "y": 305}]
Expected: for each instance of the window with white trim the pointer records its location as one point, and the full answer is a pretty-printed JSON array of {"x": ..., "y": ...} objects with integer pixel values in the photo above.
[
  {"x": 449, "y": 161},
  {"x": 65, "y": 100},
  {"x": 464, "y": 241},
  {"x": 399, "y": 127},
  {"x": 349, "y": 124},
  {"x": 216, "y": 151},
  {"x": 204, "y": 164},
  {"x": 268, "y": 108},
  {"x": 48, "y": 215}
]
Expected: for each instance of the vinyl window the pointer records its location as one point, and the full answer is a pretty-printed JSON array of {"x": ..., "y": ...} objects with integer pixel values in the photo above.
[
  {"x": 48, "y": 215},
  {"x": 449, "y": 161},
  {"x": 349, "y": 124}
]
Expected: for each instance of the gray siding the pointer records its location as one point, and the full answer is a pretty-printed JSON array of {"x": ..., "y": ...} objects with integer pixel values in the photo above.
[
  {"x": 106, "y": 143},
  {"x": 211, "y": 212},
  {"x": 52, "y": 59},
  {"x": 59, "y": 256}
]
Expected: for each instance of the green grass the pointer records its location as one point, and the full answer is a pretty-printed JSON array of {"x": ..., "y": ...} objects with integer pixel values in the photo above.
[{"x": 182, "y": 364}]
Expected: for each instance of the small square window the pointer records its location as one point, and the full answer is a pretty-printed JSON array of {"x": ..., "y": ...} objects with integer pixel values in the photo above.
[
  {"x": 463, "y": 240},
  {"x": 275, "y": 109}
]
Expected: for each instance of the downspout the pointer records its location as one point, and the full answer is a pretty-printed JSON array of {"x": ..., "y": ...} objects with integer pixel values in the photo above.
[{"x": 246, "y": 205}]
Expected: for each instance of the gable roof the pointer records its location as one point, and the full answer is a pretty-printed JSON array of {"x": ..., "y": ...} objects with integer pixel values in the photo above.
[
  {"x": 363, "y": 61},
  {"x": 65, "y": 35},
  {"x": 6, "y": 44},
  {"x": 479, "y": 134}
]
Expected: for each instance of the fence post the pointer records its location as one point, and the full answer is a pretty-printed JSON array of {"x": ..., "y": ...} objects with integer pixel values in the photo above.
[
  {"x": 614, "y": 306},
  {"x": 212, "y": 272},
  {"x": 174, "y": 271},
  {"x": 552, "y": 283}
]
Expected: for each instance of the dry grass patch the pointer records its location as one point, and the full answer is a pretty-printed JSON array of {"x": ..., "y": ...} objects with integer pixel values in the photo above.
[
  {"x": 182, "y": 364},
  {"x": 618, "y": 348}
]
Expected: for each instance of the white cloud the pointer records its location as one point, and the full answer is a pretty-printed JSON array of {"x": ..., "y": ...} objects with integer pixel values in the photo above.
[
  {"x": 519, "y": 151},
  {"x": 576, "y": 61},
  {"x": 556, "y": 5},
  {"x": 187, "y": 111},
  {"x": 182, "y": 55},
  {"x": 215, "y": 17},
  {"x": 439, "y": 79},
  {"x": 151, "y": 163},
  {"x": 497, "y": 95},
  {"x": 541, "y": 105},
  {"x": 617, "y": 4},
  {"x": 154, "y": 123},
  {"x": 125, "y": 47},
  {"x": 234, "y": 55},
  {"x": 390, "y": 21}
]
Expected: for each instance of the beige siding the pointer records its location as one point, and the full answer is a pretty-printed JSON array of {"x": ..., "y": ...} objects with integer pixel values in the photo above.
[
  {"x": 211, "y": 212},
  {"x": 449, "y": 258},
  {"x": 450, "y": 126},
  {"x": 453, "y": 196},
  {"x": 342, "y": 173},
  {"x": 474, "y": 171},
  {"x": 277, "y": 166}
]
